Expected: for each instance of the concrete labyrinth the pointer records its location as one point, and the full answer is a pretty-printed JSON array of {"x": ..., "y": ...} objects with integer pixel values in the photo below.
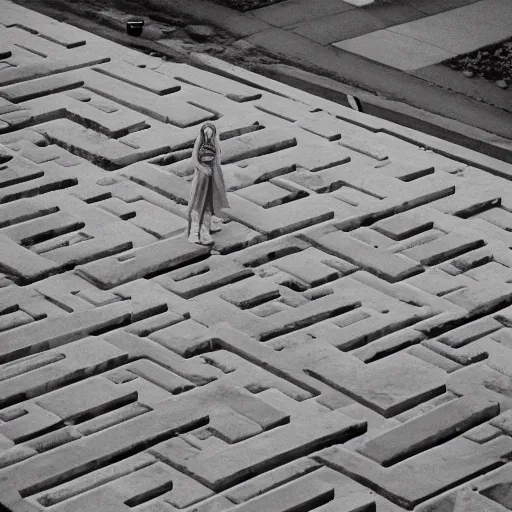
[{"x": 346, "y": 346}]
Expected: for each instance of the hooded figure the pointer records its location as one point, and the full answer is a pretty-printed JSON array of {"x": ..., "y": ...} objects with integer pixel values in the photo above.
[{"x": 208, "y": 192}]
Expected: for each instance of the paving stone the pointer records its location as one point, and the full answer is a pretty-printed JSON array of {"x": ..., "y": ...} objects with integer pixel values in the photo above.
[
  {"x": 421, "y": 433},
  {"x": 264, "y": 194},
  {"x": 250, "y": 292},
  {"x": 470, "y": 332},
  {"x": 402, "y": 52},
  {"x": 83, "y": 453},
  {"x": 462, "y": 499},
  {"x": 24, "y": 263},
  {"x": 290, "y": 14},
  {"x": 167, "y": 184},
  {"x": 468, "y": 200},
  {"x": 402, "y": 226},
  {"x": 290, "y": 496},
  {"x": 97, "y": 297},
  {"x": 361, "y": 145},
  {"x": 233, "y": 90},
  {"x": 15, "y": 455},
  {"x": 495, "y": 486},
  {"x": 374, "y": 327},
  {"x": 165, "y": 109},
  {"x": 268, "y": 251},
  {"x": 310, "y": 266},
  {"x": 373, "y": 238},
  {"x": 406, "y": 381},
  {"x": 109, "y": 419},
  {"x": 54, "y": 439},
  {"x": 388, "y": 266},
  {"x": 36, "y": 230},
  {"x": 91, "y": 145},
  {"x": 482, "y": 433},
  {"x": 90, "y": 250},
  {"x": 210, "y": 311},
  {"x": 85, "y": 355},
  {"x": 402, "y": 484},
  {"x": 35, "y": 421},
  {"x": 132, "y": 489},
  {"x": 15, "y": 319},
  {"x": 279, "y": 220},
  {"x": 254, "y": 144},
  {"x": 138, "y": 263},
  {"x": 157, "y": 221},
  {"x": 271, "y": 479},
  {"x": 388, "y": 345},
  {"x": 444, "y": 248},
  {"x": 118, "y": 207},
  {"x": 143, "y": 78},
  {"x": 271, "y": 449},
  {"x": 282, "y": 108},
  {"x": 434, "y": 358},
  {"x": 50, "y": 333},
  {"x": 481, "y": 299},
  {"x": 203, "y": 277},
  {"x": 138, "y": 347},
  {"x": 155, "y": 323},
  {"x": 30, "y": 71},
  {"x": 436, "y": 282},
  {"x": 101, "y": 476},
  {"x": 90, "y": 397},
  {"x": 24, "y": 210},
  {"x": 490, "y": 272},
  {"x": 156, "y": 383},
  {"x": 235, "y": 237},
  {"x": 497, "y": 216},
  {"x": 473, "y": 259},
  {"x": 183, "y": 338},
  {"x": 466, "y": 22}
]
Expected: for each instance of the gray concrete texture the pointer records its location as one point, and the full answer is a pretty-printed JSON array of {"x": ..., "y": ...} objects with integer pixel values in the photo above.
[{"x": 345, "y": 346}]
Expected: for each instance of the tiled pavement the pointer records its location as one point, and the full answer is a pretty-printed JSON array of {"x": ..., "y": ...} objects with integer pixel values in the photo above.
[
  {"x": 404, "y": 34},
  {"x": 346, "y": 347}
]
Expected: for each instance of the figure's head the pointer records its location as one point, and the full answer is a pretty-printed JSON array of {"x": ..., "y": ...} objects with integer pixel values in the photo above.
[{"x": 208, "y": 130}]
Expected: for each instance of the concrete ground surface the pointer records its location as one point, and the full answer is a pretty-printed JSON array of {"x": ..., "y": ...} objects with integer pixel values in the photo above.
[
  {"x": 402, "y": 34},
  {"x": 469, "y": 112},
  {"x": 482, "y": 105},
  {"x": 346, "y": 346}
]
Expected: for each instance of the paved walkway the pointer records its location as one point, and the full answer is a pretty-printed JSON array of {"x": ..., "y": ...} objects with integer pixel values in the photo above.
[
  {"x": 345, "y": 346},
  {"x": 417, "y": 44},
  {"x": 406, "y": 35}
]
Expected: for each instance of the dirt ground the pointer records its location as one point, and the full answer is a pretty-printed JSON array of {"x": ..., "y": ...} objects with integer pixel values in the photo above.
[{"x": 494, "y": 64}]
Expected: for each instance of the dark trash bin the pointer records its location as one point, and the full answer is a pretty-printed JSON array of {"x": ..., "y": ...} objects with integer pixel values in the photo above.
[{"x": 134, "y": 28}]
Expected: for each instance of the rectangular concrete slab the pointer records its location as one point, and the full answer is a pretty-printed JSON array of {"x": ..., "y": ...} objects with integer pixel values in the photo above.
[
  {"x": 272, "y": 449},
  {"x": 299, "y": 11},
  {"x": 388, "y": 386},
  {"x": 463, "y": 30},
  {"x": 90, "y": 397},
  {"x": 429, "y": 429},
  {"x": 395, "y": 49},
  {"x": 115, "y": 271},
  {"x": 417, "y": 479}
]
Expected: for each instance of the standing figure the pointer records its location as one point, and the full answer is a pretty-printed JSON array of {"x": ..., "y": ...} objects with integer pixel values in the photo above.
[{"x": 208, "y": 193}]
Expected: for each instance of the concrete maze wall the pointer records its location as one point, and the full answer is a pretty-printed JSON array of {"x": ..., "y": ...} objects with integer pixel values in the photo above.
[{"x": 346, "y": 347}]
